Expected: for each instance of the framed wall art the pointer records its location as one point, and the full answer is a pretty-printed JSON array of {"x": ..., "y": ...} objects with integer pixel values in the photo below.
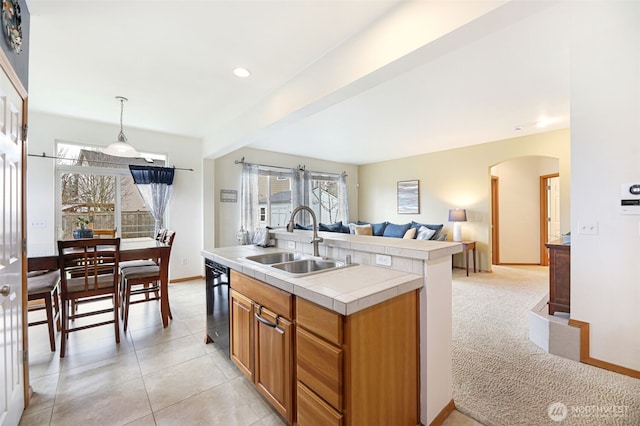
[{"x": 409, "y": 197}]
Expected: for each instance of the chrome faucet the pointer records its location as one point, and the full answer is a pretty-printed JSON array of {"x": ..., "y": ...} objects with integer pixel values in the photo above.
[{"x": 316, "y": 240}]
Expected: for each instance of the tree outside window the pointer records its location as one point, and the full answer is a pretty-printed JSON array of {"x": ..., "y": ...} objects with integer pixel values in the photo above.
[{"x": 98, "y": 188}]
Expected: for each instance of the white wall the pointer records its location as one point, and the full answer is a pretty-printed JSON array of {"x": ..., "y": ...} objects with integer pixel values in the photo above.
[
  {"x": 457, "y": 178},
  {"x": 228, "y": 176},
  {"x": 519, "y": 207},
  {"x": 184, "y": 214},
  {"x": 605, "y": 152}
]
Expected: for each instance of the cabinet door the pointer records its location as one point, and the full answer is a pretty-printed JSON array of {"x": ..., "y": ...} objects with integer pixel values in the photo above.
[
  {"x": 313, "y": 411},
  {"x": 241, "y": 336},
  {"x": 273, "y": 371}
]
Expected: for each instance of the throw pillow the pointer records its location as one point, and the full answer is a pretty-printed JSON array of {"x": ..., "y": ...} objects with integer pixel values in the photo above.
[
  {"x": 333, "y": 227},
  {"x": 363, "y": 229},
  {"x": 352, "y": 228},
  {"x": 395, "y": 231},
  {"x": 424, "y": 233},
  {"x": 436, "y": 228},
  {"x": 303, "y": 227},
  {"x": 378, "y": 228},
  {"x": 410, "y": 234}
]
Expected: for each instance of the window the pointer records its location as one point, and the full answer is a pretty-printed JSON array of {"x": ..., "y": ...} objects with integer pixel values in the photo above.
[
  {"x": 99, "y": 189},
  {"x": 274, "y": 198},
  {"x": 324, "y": 199},
  {"x": 271, "y": 194}
]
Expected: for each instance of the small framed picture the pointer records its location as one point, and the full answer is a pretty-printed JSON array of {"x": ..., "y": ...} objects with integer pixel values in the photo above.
[{"x": 409, "y": 197}]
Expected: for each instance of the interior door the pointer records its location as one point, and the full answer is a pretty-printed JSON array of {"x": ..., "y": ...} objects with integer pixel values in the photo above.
[
  {"x": 11, "y": 316},
  {"x": 495, "y": 221},
  {"x": 549, "y": 213}
]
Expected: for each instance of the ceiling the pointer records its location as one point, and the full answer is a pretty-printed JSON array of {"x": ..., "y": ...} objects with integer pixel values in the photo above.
[{"x": 342, "y": 80}]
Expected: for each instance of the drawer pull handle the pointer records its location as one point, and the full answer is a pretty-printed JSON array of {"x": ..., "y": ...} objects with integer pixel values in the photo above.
[{"x": 267, "y": 322}]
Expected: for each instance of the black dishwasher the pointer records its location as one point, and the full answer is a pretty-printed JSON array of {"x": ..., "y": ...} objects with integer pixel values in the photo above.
[{"x": 217, "y": 278}]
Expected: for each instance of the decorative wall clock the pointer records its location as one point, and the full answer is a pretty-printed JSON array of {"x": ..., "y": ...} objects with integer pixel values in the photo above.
[{"x": 12, "y": 23}]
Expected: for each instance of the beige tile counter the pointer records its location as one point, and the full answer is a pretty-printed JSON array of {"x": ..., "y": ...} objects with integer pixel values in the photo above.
[{"x": 344, "y": 290}]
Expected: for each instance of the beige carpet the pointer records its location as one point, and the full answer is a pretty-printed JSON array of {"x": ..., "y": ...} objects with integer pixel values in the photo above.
[{"x": 502, "y": 378}]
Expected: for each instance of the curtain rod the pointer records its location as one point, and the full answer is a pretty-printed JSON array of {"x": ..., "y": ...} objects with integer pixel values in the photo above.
[
  {"x": 241, "y": 161},
  {"x": 43, "y": 155},
  {"x": 299, "y": 167}
]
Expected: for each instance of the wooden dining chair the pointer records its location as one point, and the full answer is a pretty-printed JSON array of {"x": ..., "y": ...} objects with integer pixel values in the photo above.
[
  {"x": 89, "y": 271},
  {"x": 42, "y": 287},
  {"x": 142, "y": 280},
  {"x": 160, "y": 236}
]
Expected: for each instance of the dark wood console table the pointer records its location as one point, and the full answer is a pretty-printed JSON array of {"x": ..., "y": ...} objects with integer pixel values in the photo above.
[{"x": 559, "y": 276}]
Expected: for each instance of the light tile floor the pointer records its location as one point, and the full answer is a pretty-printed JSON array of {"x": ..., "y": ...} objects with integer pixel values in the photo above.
[{"x": 155, "y": 376}]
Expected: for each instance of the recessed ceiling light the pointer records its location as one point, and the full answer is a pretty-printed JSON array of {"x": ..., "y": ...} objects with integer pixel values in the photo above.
[
  {"x": 544, "y": 122},
  {"x": 241, "y": 72}
]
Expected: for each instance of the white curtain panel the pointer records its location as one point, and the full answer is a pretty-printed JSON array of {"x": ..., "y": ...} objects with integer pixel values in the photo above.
[
  {"x": 343, "y": 200},
  {"x": 249, "y": 203},
  {"x": 155, "y": 185}
]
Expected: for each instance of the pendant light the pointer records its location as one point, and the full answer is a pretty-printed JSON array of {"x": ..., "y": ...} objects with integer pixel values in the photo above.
[{"x": 121, "y": 148}]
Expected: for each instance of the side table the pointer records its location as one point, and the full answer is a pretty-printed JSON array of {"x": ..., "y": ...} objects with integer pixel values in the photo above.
[{"x": 466, "y": 246}]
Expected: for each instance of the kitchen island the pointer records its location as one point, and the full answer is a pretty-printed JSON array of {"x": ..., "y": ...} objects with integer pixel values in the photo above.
[{"x": 413, "y": 270}]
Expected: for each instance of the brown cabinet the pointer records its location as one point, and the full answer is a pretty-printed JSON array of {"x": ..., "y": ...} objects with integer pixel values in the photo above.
[
  {"x": 241, "y": 333},
  {"x": 361, "y": 369},
  {"x": 261, "y": 339},
  {"x": 273, "y": 368},
  {"x": 559, "y": 277}
]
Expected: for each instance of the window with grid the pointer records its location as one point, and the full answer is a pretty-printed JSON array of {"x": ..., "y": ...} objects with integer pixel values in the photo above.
[{"x": 97, "y": 188}]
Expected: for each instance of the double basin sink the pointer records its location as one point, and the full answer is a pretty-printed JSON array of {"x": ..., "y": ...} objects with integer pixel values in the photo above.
[{"x": 295, "y": 263}]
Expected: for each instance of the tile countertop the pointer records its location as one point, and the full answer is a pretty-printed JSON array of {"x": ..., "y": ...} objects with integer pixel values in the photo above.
[
  {"x": 416, "y": 249},
  {"x": 345, "y": 290}
]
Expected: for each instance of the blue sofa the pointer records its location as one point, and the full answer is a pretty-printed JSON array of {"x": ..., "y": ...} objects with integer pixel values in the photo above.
[{"x": 383, "y": 229}]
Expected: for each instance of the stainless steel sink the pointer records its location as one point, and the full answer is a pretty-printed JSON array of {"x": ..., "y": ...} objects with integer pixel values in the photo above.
[
  {"x": 271, "y": 258},
  {"x": 306, "y": 266}
]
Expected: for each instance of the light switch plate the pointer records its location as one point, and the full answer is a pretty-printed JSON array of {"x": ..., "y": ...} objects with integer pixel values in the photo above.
[
  {"x": 588, "y": 228},
  {"x": 383, "y": 260}
]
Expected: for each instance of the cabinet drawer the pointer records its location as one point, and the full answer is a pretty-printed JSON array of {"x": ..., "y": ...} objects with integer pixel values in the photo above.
[
  {"x": 319, "y": 366},
  {"x": 313, "y": 411},
  {"x": 321, "y": 321},
  {"x": 277, "y": 300}
]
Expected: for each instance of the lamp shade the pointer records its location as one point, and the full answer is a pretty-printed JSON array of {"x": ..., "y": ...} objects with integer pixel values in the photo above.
[
  {"x": 457, "y": 215},
  {"x": 121, "y": 148}
]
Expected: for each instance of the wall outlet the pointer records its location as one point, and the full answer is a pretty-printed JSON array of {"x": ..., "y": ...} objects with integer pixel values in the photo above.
[
  {"x": 184, "y": 261},
  {"x": 291, "y": 245},
  {"x": 588, "y": 228},
  {"x": 383, "y": 260}
]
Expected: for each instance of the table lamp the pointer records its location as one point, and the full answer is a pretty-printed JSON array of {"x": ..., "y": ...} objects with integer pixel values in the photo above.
[{"x": 456, "y": 216}]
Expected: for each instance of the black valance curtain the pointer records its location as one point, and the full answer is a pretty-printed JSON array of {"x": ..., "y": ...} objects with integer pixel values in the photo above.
[
  {"x": 155, "y": 185},
  {"x": 148, "y": 174}
]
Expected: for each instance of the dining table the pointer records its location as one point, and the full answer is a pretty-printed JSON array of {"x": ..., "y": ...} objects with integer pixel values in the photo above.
[{"x": 130, "y": 249}]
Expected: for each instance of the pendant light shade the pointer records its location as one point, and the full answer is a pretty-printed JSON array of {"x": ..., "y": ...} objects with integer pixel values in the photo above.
[{"x": 121, "y": 148}]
